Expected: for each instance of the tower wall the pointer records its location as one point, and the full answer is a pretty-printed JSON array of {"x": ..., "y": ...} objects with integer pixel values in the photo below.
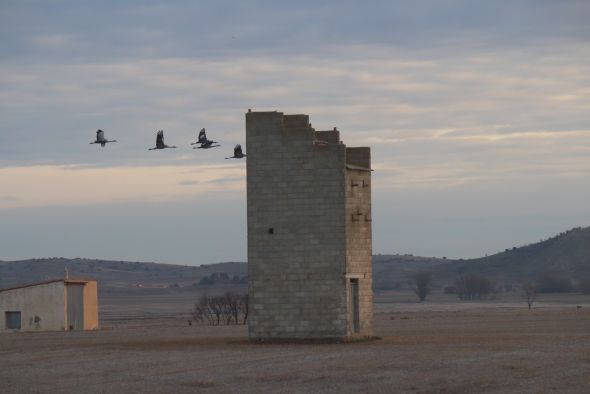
[
  {"x": 359, "y": 237},
  {"x": 298, "y": 231}
]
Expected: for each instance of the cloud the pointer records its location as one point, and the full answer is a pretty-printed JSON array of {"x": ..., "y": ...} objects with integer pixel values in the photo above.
[
  {"x": 444, "y": 121},
  {"x": 450, "y": 95},
  {"x": 188, "y": 183},
  {"x": 9, "y": 199},
  {"x": 46, "y": 186},
  {"x": 54, "y": 42}
]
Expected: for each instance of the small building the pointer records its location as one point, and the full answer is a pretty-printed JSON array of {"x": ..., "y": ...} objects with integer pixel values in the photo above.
[
  {"x": 53, "y": 305},
  {"x": 309, "y": 231}
]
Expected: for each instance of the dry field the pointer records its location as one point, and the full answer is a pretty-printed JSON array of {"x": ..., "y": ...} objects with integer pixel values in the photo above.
[{"x": 442, "y": 346}]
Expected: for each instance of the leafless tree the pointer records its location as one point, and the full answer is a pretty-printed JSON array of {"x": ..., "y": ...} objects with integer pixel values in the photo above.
[
  {"x": 233, "y": 305},
  {"x": 219, "y": 310},
  {"x": 422, "y": 281},
  {"x": 217, "y": 306},
  {"x": 529, "y": 293},
  {"x": 472, "y": 286},
  {"x": 201, "y": 311}
]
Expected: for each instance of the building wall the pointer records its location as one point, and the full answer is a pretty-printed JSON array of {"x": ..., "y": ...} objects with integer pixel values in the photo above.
[
  {"x": 90, "y": 306},
  {"x": 42, "y": 307},
  {"x": 359, "y": 237},
  {"x": 297, "y": 229}
]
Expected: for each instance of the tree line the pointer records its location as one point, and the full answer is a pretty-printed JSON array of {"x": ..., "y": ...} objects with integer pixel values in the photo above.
[{"x": 473, "y": 286}]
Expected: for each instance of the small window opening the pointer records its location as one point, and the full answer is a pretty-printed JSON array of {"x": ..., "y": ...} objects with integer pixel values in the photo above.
[{"x": 13, "y": 320}]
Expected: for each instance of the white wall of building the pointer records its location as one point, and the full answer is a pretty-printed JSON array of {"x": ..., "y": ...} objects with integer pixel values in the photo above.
[{"x": 42, "y": 307}]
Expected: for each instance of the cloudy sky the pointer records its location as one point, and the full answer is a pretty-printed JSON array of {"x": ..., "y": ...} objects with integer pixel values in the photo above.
[{"x": 477, "y": 113}]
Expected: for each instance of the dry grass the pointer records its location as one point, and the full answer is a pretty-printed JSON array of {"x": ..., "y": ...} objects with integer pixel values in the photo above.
[{"x": 444, "y": 347}]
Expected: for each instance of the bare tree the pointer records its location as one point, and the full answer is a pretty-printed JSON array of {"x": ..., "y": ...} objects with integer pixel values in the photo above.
[
  {"x": 219, "y": 310},
  {"x": 422, "y": 280},
  {"x": 233, "y": 305},
  {"x": 217, "y": 306},
  {"x": 529, "y": 293},
  {"x": 472, "y": 286},
  {"x": 202, "y": 311}
]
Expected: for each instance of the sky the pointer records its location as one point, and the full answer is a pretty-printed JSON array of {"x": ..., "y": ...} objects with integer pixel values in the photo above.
[{"x": 477, "y": 114}]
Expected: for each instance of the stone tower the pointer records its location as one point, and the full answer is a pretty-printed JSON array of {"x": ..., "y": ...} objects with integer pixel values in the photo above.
[{"x": 309, "y": 231}]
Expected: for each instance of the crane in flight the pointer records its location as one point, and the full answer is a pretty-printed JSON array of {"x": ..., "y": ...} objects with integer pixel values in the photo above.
[
  {"x": 100, "y": 138},
  {"x": 204, "y": 142},
  {"x": 237, "y": 153},
  {"x": 160, "y": 141}
]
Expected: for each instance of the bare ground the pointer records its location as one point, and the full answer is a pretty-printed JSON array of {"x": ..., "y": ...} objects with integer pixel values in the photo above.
[{"x": 438, "y": 347}]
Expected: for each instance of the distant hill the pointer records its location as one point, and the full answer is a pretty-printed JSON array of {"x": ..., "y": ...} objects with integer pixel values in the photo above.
[
  {"x": 121, "y": 274},
  {"x": 567, "y": 253}
]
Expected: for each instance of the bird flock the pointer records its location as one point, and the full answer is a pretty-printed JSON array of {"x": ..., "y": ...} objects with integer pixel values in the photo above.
[{"x": 202, "y": 143}]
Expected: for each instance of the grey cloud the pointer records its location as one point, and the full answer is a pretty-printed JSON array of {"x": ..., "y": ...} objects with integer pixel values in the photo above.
[
  {"x": 188, "y": 183},
  {"x": 226, "y": 29},
  {"x": 228, "y": 179},
  {"x": 426, "y": 83},
  {"x": 8, "y": 198}
]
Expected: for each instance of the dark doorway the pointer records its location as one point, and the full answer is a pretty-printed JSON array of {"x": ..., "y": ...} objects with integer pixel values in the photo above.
[{"x": 354, "y": 292}]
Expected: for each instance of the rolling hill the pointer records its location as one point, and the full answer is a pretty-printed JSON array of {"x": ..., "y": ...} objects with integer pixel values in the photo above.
[
  {"x": 567, "y": 253},
  {"x": 113, "y": 275}
]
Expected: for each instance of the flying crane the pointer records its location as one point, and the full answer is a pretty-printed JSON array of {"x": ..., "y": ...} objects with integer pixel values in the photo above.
[
  {"x": 204, "y": 142},
  {"x": 237, "y": 153},
  {"x": 160, "y": 141},
  {"x": 100, "y": 138}
]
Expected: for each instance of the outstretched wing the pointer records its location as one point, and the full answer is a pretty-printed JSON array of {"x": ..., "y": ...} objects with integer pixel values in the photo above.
[{"x": 160, "y": 139}]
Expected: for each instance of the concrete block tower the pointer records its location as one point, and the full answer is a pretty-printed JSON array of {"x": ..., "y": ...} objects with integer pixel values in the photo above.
[{"x": 309, "y": 231}]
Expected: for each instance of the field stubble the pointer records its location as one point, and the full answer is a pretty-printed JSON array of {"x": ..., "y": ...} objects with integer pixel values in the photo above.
[{"x": 441, "y": 346}]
